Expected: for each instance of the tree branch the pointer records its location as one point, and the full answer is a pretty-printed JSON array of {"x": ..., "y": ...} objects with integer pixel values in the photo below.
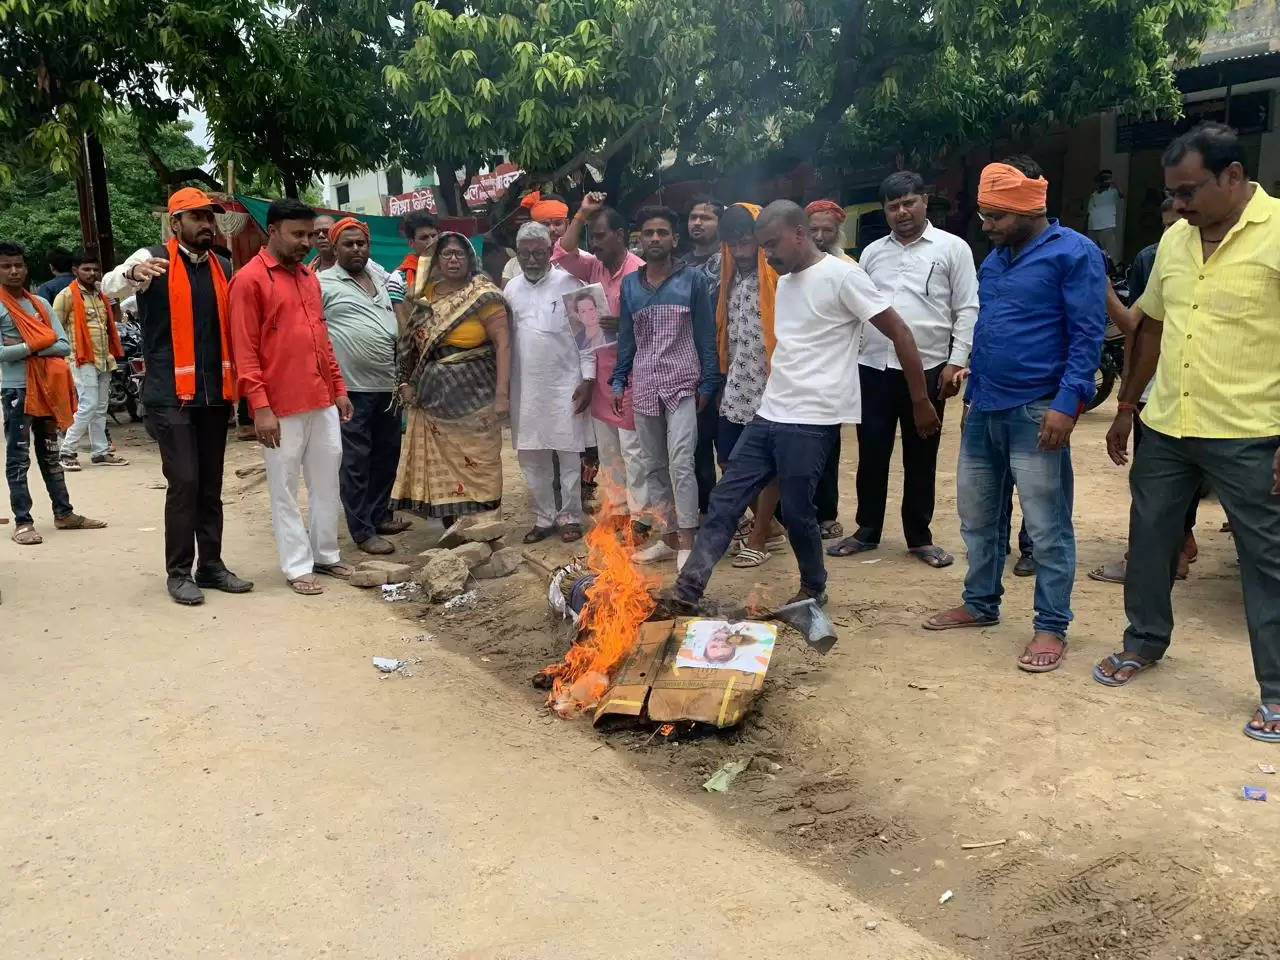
[{"x": 169, "y": 177}]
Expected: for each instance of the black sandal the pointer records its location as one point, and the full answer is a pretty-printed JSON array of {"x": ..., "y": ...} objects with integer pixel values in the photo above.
[
  {"x": 849, "y": 546},
  {"x": 538, "y": 534}
]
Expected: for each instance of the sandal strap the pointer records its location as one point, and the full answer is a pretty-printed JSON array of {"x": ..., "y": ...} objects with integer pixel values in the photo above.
[{"x": 1268, "y": 715}]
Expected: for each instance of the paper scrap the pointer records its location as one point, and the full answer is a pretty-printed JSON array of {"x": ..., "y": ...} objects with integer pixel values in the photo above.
[
  {"x": 719, "y": 781},
  {"x": 387, "y": 664},
  {"x": 945, "y": 897},
  {"x": 1253, "y": 793},
  {"x": 1267, "y": 767}
]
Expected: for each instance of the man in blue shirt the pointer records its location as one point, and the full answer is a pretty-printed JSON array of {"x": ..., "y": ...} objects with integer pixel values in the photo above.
[
  {"x": 1041, "y": 320},
  {"x": 59, "y": 261}
]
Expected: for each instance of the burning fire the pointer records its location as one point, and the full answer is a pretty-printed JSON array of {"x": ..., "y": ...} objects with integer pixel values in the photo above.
[{"x": 617, "y": 603}]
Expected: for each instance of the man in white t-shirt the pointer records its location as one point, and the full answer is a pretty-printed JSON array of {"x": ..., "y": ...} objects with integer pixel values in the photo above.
[
  {"x": 1104, "y": 203},
  {"x": 812, "y": 390}
]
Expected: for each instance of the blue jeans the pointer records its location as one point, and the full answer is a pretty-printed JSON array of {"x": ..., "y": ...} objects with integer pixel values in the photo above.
[
  {"x": 998, "y": 447},
  {"x": 793, "y": 453}
]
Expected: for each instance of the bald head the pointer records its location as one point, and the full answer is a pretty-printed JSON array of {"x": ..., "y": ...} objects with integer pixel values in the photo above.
[
  {"x": 782, "y": 230},
  {"x": 783, "y": 212}
]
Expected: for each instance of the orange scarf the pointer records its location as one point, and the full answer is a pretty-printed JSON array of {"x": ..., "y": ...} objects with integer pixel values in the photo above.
[
  {"x": 84, "y": 343},
  {"x": 182, "y": 325},
  {"x": 49, "y": 391},
  {"x": 409, "y": 267},
  {"x": 768, "y": 287}
]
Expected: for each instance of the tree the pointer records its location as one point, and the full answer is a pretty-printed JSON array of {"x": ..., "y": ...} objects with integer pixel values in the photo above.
[
  {"x": 647, "y": 90},
  {"x": 38, "y": 206}
]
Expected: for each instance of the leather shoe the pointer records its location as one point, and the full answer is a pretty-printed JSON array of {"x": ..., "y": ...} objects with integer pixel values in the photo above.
[
  {"x": 223, "y": 580},
  {"x": 394, "y": 525},
  {"x": 1025, "y": 567},
  {"x": 377, "y": 545},
  {"x": 184, "y": 591},
  {"x": 819, "y": 599}
]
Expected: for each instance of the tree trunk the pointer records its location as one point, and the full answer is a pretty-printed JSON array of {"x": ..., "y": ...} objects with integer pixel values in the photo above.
[
  {"x": 447, "y": 190},
  {"x": 290, "y": 185},
  {"x": 84, "y": 198},
  {"x": 101, "y": 206}
]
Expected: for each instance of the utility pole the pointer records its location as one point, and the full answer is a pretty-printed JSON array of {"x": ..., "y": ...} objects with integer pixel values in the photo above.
[{"x": 91, "y": 192}]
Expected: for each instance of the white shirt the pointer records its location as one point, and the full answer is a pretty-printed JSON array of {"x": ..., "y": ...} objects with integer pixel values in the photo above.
[
  {"x": 1102, "y": 209},
  {"x": 933, "y": 284},
  {"x": 546, "y": 365},
  {"x": 818, "y": 320}
]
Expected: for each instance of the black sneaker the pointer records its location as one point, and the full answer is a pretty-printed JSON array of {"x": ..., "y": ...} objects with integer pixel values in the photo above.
[
  {"x": 184, "y": 591},
  {"x": 222, "y": 579},
  {"x": 1025, "y": 567},
  {"x": 819, "y": 598}
]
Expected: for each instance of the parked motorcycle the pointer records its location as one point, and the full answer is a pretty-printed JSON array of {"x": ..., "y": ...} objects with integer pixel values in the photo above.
[
  {"x": 1111, "y": 362},
  {"x": 126, "y": 379}
]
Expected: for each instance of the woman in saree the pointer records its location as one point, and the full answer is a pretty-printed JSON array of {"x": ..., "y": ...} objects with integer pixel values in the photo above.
[{"x": 453, "y": 371}]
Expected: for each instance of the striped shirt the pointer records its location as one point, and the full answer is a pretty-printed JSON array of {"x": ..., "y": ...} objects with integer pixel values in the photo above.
[{"x": 1219, "y": 370}]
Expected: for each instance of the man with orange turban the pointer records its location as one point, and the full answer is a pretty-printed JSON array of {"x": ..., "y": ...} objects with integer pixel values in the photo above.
[
  {"x": 826, "y": 217},
  {"x": 1041, "y": 319},
  {"x": 548, "y": 209}
]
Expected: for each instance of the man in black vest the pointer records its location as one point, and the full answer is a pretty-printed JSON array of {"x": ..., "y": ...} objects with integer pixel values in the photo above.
[{"x": 189, "y": 386}]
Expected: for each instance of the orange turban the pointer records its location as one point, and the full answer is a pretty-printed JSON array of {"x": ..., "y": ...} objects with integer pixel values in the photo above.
[
  {"x": 1008, "y": 190},
  {"x": 825, "y": 206},
  {"x": 346, "y": 223},
  {"x": 543, "y": 210}
]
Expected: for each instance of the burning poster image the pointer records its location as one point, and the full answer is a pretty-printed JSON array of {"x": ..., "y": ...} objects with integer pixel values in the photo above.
[{"x": 719, "y": 644}]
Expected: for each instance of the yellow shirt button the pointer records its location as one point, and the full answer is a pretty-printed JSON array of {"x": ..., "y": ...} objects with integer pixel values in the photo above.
[{"x": 1195, "y": 306}]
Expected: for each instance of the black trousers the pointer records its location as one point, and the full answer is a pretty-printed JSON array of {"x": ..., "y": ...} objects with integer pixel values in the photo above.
[
  {"x": 370, "y": 453},
  {"x": 826, "y": 498},
  {"x": 21, "y": 432},
  {"x": 1202, "y": 491},
  {"x": 886, "y": 411},
  {"x": 704, "y": 455},
  {"x": 193, "y": 443}
]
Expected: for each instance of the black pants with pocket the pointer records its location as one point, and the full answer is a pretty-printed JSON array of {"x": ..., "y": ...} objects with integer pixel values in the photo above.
[{"x": 193, "y": 444}]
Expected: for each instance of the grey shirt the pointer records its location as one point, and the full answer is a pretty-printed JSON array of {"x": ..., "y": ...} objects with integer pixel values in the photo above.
[
  {"x": 13, "y": 356},
  {"x": 362, "y": 329}
]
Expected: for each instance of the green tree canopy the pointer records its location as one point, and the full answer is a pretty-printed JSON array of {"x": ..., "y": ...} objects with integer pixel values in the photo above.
[{"x": 38, "y": 207}]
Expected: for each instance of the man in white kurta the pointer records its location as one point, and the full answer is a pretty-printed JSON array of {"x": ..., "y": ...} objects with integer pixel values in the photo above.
[{"x": 550, "y": 386}]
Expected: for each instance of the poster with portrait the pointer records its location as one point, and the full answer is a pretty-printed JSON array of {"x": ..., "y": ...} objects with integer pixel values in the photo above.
[
  {"x": 724, "y": 645},
  {"x": 584, "y": 307}
]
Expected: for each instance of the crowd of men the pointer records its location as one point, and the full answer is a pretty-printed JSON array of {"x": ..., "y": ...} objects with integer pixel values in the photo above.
[{"x": 749, "y": 350}]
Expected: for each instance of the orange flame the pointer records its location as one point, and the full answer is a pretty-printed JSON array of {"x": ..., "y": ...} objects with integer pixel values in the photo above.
[{"x": 617, "y": 603}]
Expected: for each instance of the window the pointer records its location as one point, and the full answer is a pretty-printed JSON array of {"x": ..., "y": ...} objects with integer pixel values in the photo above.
[
  {"x": 343, "y": 194},
  {"x": 395, "y": 182}
]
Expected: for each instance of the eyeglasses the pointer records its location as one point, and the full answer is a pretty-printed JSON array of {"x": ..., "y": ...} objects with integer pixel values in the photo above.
[
  {"x": 453, "y": 254},
  {"x": 1187, "y": 192},
  {"x": 988, "y": 217}
]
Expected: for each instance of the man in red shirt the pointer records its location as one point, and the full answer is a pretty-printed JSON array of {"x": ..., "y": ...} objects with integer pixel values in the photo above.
[{"x": 288, "y": 374}]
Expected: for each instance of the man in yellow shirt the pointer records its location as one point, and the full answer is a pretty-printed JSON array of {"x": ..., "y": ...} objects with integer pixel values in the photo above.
[{"x": 1210, "y": 332}]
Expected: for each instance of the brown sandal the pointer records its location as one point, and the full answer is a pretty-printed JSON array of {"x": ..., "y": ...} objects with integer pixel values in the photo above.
[
  {"x": 25, "y": 535},
  {"x": 306, "y": 587},
  {"x": 340, "y": 570},
  {"x": 73, "y": 521},
  {"x": 957, "y": 618}
]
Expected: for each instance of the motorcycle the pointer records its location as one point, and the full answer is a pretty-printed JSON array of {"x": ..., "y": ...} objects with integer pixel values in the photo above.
[
  {"x": 1111, "y": 362},
  {"x": 126, "y": 380}
]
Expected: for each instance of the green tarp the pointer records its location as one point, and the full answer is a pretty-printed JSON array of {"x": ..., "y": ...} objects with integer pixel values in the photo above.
[{"x": 386, "y": 245}]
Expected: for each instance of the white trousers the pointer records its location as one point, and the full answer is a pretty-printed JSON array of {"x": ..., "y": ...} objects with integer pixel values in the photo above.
[
  {"x": 310, "y": 442},
  {"x": 93, "y": 396},
  {"x": 669, "y": 442},
  {"x": 539, "y": 472},
  {"x": 622, "y": 478}
]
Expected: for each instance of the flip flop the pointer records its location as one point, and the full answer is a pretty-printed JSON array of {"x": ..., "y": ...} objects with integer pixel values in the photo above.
[
  {"x": 777, "y": 543},
  {"x": 1268, "y": 716},
  {"x": 1118, "y": 663},
  {"x": 538, "y": 534},
  {"x": 24, "y": 535},
  {"x": 1042, "y": 668},
  {"x": 750, "y": 557},
  {"x": 849, "y": 546},
  {"x": 306, "y": 588},
  {"x": 937, "y": 623},
  {"x": 935, "y": 557},
  {"x": 340, "y": 570}
]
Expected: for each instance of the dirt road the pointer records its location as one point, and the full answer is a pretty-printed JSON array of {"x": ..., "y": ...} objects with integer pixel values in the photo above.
[{"x": 237, "y": 781}]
